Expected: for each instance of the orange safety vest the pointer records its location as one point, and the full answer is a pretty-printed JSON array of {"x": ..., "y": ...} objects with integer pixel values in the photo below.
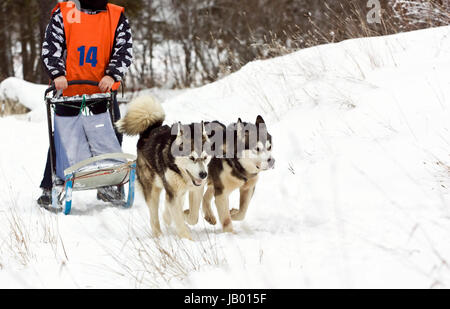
[{"x": 89, "y": 41}]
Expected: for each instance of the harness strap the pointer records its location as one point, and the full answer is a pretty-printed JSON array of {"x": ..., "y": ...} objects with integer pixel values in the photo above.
[{"x": 239, "y": 170}]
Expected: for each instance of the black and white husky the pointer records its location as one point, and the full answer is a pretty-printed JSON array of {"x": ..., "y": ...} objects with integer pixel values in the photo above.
[{"x": 170, "y": 158}]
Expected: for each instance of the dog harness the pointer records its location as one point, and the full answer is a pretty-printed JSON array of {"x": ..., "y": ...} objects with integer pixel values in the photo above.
[
  {"x": 239, "y": 171},
  {"x": 89, "y": 42}
]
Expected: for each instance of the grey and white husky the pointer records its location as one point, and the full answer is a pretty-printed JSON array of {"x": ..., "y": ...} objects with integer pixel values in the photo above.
[
  {"x": 170, "y": 158},
  {"x": 246, "y": 151}
]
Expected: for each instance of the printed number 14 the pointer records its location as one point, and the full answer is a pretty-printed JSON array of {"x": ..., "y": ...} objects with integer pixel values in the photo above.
[{"x": 91, "y": 56}]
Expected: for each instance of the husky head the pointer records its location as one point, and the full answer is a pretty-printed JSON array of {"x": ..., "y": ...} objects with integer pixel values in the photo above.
[
  {"x": 254, "y": 146},
  {"x": 189, "y": 151}
]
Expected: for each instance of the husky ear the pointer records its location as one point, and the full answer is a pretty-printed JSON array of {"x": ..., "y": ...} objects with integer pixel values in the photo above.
[
  {"x": 205, "y": 132},
  {"x": 260, "y": 120},
  {"x": 203, "y": 128},
  {"x": 240, "y": 128},
  {"x": 179, "y": 131}
]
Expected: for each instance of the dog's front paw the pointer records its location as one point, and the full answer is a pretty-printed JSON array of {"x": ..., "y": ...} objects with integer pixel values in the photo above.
[
  {"x": 211, "y": 219},
  {"x": 156, "y": 233},
  {"x": 234, "y": 211},
  {"x": 228, "y": 226},
  {"x": 186, "y": 214},
  {"x": 229, "y": 229},
  {"x": 236, "y": 215},
  {"x": 190, "y": 219},
  {"x": 186, "y": 235}
]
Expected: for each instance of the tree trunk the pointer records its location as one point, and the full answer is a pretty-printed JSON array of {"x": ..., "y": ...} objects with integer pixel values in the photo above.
[
  {"x": 45, "y": 7},
  {"x": 6, "y": 62}
]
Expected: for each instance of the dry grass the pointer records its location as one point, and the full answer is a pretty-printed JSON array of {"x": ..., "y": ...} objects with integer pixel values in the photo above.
[
  {"x": 19, "y": 242},
  {"x": 349, "y": 21},
  {"x": 10, "y": 107},
  {"x": 417, "y": 14},
  {"x": 26, "y": 235},
  {"x": 158, "y": 262}
]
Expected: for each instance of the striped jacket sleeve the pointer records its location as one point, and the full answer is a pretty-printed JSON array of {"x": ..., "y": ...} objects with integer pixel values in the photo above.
[
  {"x": 54, "y": 47},
  {"x": 122, "y": 53}
]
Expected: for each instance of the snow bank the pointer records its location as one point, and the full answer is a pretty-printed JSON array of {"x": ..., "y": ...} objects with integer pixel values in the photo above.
[
  {"x": 359, "y": 198},
  {"x": 28, "y": 94}
]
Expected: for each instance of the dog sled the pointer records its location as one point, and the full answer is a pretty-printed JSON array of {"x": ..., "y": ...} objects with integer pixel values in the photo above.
[{"x": 91, "y": 160}]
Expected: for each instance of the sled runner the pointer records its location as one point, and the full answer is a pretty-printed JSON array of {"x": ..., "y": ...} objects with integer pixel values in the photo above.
[{"x": 84, "y": 151}]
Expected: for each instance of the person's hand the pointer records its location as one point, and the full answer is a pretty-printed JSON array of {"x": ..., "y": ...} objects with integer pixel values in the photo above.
[
  {"x": 61, "y": 83},
  {"x": 106, "y": 84}
]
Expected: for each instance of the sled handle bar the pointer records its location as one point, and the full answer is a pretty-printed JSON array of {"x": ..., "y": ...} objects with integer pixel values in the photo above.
[{"x": 71, "y": 83}]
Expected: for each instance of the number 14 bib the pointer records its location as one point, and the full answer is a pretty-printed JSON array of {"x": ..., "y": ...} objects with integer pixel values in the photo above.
[{"x": 89, "y": 40}]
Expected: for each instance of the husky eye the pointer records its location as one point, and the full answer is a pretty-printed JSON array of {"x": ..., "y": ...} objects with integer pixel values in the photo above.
[
  {"x": 192, "y": 158},
  {"x": 258, "y": 149}
]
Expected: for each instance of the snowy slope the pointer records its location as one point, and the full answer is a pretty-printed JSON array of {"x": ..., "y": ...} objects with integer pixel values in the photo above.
[{"x": 359, "y": 198}]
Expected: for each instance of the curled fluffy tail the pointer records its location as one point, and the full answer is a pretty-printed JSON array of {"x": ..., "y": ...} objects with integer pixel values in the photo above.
[{"x": 143, "y": 113}]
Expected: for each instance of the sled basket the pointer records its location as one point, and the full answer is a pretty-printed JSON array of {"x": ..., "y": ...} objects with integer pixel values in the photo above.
[{"x": 87, "y": 176}]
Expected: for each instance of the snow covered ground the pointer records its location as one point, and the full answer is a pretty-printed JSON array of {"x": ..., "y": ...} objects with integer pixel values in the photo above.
[{"x": 359, "y": 197}]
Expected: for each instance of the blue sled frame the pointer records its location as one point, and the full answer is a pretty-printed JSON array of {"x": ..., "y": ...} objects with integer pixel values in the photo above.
[{"x": 68, "y": 190}]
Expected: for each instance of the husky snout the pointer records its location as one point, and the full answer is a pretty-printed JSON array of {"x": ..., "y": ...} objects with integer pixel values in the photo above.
[
  {"x": 203, "y": 175},
  {"x": 271, "y": 163}
]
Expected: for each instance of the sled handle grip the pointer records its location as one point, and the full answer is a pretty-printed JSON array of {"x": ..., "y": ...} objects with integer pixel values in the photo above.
[{"x": 71, "y": 83}]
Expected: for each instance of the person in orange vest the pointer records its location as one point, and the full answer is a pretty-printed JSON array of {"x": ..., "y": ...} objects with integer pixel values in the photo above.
[{"x": 86, "y": 40}]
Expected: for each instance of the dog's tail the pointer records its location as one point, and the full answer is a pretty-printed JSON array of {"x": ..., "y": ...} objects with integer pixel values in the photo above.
[{"x": 143, "y": 113}]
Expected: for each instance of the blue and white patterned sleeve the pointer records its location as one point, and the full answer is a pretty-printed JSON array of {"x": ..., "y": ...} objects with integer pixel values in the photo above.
[
  {"x": 54, "y": 47},
  {"x": 122, "y": 53}
]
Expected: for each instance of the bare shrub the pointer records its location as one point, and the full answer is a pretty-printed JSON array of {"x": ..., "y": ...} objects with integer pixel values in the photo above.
[
  {"x": 343, "y": 20},
  {"x": 26, "y": 232},
  {"x": 19, "y": 239},
  {"x": 417, "y": 14},
  {"x": 11, "y": 107}
]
